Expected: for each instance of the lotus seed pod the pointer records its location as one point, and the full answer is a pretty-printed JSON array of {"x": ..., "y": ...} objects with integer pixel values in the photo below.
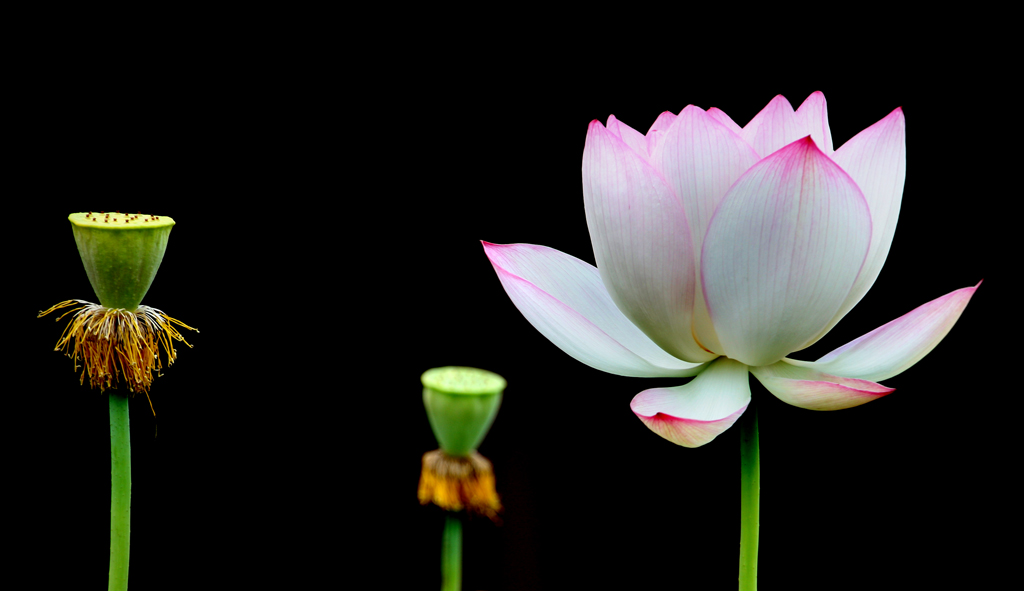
[
  {"x": 121, "y": 253},
  {"x": 461, "y": 404}
]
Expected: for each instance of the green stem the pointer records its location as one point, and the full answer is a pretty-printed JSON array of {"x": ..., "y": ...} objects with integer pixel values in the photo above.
[
  {"x": 750, "y": 492},
  {"x": 120, "y": 492},
  {"x": 451, "y": 554}
]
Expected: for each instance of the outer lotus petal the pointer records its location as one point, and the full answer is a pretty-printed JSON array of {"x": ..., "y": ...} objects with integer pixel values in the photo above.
[
  {"x": 658, "y": 129},
  {"x": 720, "y": 116},
  {"x": 814, "y": 390},
  {"x": 631, "y": 137},
  {"x": 876, "y": 159},
  {"x": 781, "y": 253},
  {"x": 701, "y": 159},
  {"x": 892, "y": 348},
  {"x": 695, "y": 413},
  {"x": 641, "y": 242},
  {"x": 564, "y": 299},
  {"x": 774, "y": 127},
  {"x": 812, "y": 118}
]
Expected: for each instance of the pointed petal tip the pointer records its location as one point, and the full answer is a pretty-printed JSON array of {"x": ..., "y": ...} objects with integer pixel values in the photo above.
[
  {"x": 807, "y": 388},
  {"x": 897, "y": 345}
]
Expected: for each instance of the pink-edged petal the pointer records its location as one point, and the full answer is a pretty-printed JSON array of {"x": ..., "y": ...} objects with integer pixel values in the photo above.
[
  {"x": 695, "y": 413},
  {"x": 663, "y": 122},
  {"x": 892, "y": 348},
  {"x": 876, "y": 159},
  {"x": 720, "y": 116},
  {"x": 658, "y": 129},
  {"x": 812, "y": 119},
  {"x": 701, "y": 158},
  {"x": 815, "y": 390},
  {"x": 781, "y": 253},
  {"x": 564, "y": 298},
  {"x": 641, "y": 241},
  {"x": 631, "y": 137},
  {"x": 774, "y": 127}
]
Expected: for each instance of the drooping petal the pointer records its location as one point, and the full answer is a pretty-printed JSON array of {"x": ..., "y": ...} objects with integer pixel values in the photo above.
[
  {"x": 701, "y": 158},
  {"x": 695, "y": 413},
  {"x": 772, "y": 128},
  {"x": 815, "y": 390},
  {"x": 781, "y": 253},
  {"x": 641, "y": 241},
  {"x": 564, "y": 298},
  {"x": 892, "y": 348},
  {"x": 876, "y": 159},
  {"x": 812, "y": 119}
]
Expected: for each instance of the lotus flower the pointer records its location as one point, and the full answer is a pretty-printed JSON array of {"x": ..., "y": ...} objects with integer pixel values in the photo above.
[{"x": 721, "y": 250}]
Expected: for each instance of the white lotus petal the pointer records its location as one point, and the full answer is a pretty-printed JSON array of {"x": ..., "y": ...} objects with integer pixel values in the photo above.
[
  {"x": 781, "y": 253},
  {"x": 815, "y": 390},
  {"x": 812, "y": 119},
  {"x": 701, "y": 158},
  {"x": 658, "y": 129},
  {"x": 720, "y": 116},
  {"x": 631, "y": 137},
  {"x": 564, "y": 298},
  {"x": 894, "y": 347},
  {"x": 641, "y": 242},
  {"x": 772, "y": 128},
  {"x": 876, "y": 159},
  {"x": 695, "y": 413}
]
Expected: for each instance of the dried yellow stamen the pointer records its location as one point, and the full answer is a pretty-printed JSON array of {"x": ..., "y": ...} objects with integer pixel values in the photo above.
[
  {"x": 457, "y": 483},
  {"x": 117, "y": 345}
]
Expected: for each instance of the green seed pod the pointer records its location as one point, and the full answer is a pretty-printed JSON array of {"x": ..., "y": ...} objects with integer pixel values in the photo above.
[
  {"x": 461, "y": 404},
  {"x": 121, "y": 253}
]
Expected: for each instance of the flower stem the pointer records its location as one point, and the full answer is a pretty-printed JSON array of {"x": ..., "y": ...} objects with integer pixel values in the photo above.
[
  {"x": 120, "y": 492},
  {"x": 451, "y": 554},
  {"x": 750, "y": 492}
]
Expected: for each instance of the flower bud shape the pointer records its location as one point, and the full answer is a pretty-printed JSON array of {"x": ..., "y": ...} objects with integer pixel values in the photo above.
[
  {"x": 461, "y": 404},
  {"x": 121, "y": 253}
]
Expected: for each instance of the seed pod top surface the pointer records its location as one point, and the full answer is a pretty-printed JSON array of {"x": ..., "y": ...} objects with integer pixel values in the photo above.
[
  {"x": 463, "y": 380},
  {"x": 461, "y": 404},
  {"x": 121, "y": 253}
]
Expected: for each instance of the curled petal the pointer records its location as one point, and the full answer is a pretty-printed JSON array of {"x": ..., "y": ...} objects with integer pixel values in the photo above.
[
  {"x": 876, "y": 159},
  {"x": 564, "y": 299},
  {"x": 695, "y": 413},
  {"x": 892, "y": 348},
  {"x": 815, "y": 390},
  {"x": 781, "y": 253},
  {"x": 641, "y": 241}
]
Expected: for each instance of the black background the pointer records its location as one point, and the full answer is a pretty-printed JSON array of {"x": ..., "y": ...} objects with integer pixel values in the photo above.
[{"x": 329, "y": 203}]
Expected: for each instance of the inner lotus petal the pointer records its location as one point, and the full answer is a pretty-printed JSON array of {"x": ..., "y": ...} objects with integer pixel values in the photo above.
[
  {"x": 781, "y": 253},
  {"x": 641, "y": 241}
]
